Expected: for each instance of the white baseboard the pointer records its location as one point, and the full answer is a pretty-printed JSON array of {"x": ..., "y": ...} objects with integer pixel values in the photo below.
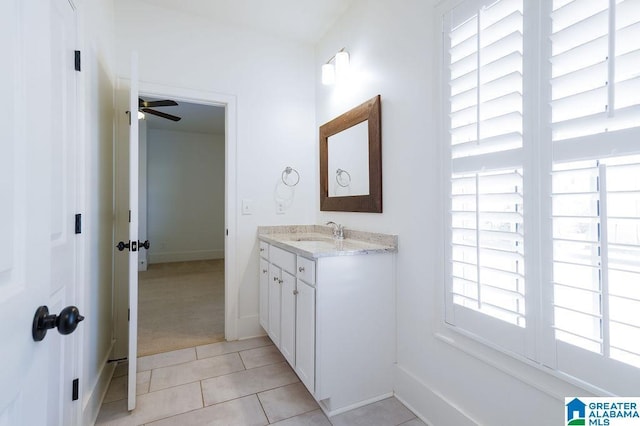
[
  {"x": 249, "y": 326},
  {"x": 92, "y": 398},
  {"x": 329, "y": 413},
  {"x": 185, "y": 256},
  {"x": 431, "y": 407}
]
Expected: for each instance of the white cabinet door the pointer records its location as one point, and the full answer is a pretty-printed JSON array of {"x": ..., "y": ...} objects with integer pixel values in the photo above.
[
  {"x": 306, "y": 334},
  {"x": 288, "y": 324},
  {"x": 275, "y": 288},
  {"x": 264, "y": 294}
]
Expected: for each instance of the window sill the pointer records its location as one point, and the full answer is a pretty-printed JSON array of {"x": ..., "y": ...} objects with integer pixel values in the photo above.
[{"x": 552, "y": 382}]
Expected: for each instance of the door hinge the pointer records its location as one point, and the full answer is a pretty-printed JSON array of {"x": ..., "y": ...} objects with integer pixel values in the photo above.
[
  {"x": 227, "y": 232},
  {"x": 78, "y": 223},
  {"x": 128, "y": 314},
  {"x": 77, "y": 60},
  {"x": 129, "y": 115},
  {"x": 75, "y": 389},
  {"x": 129, "y": 216}
]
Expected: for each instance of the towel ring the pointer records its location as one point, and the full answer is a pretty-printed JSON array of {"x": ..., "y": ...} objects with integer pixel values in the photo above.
[
  {"x": 339, "y": 173},
  {"x": 286, "y": 172}
]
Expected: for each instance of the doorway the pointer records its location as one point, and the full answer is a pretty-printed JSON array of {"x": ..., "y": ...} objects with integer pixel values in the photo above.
[{"x": 182, "y": 213}]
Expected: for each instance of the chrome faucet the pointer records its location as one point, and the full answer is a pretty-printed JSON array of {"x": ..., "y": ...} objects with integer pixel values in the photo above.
[{"x": 338, "y": 230}]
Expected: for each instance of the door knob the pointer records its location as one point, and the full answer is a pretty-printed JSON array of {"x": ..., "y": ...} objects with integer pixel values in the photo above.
[
  {"x": 122, "y": 245},
  {"x": 66, "y": 322},
  {"x": 145, "y": 245}
]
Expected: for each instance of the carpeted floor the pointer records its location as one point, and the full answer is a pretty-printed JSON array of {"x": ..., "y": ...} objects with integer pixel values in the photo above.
[{"x": 180, "y": 305}]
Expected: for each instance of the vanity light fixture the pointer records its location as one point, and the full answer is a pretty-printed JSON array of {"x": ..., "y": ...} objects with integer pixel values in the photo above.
[{"x": 336, "y": 70}]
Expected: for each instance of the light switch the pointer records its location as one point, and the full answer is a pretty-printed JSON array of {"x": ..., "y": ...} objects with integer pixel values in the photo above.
[{"x": 247, "y": 206}]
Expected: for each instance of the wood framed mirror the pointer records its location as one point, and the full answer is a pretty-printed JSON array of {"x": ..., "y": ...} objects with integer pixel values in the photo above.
[{"x": 351, "y": 160}]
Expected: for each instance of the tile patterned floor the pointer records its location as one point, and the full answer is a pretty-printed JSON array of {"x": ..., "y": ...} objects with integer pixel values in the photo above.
[{"x": 242, "y": 383}]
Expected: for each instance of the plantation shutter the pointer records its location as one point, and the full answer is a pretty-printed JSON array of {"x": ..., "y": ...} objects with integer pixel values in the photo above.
[
  {"x": 486, "y": 268},
  {"x": 595, "y": 74},
  {"x": 595, "y": 114}
]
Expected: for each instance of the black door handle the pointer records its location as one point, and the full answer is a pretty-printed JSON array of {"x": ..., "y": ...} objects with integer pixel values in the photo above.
[
  {"x": 122, "y": 245},
  {"x": 66, "y": 322},
  {"x": 145, "y": 245}
]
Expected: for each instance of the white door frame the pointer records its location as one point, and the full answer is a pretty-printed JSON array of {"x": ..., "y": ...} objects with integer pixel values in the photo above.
[{"x": 229, "y": 102}]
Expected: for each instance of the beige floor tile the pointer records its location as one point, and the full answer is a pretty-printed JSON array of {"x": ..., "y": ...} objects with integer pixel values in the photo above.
[
  {"x": 118, "y": 387},
  {"x": 243, "y": 383},
  {"x": 259, "y": 357},
  {"x": 414, "y": 422},
  {"x": 222, "y": 348},
  {"x": 152, "y": 406},
  {"x": 121, "y": 369},
  {"x": 387, "y": 412},
  {"x": 166, "y": 359},
  {"x": 287, "y": 401},
  {"x": 312, "y": 418},
  {"x": 238, "y": 412},
  {"x": 193, "y": 371},
  {"x": 143, "y": 382}
]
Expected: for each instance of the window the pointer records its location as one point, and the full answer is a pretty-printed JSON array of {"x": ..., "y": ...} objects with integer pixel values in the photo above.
[{"x": 544, "y": 202}]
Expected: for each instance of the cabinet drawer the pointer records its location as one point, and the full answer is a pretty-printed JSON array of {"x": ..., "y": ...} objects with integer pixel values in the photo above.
[
  {"x": 306, "y": 270},
  {"x": 264, "y": 250},
  {"x": 283, "y": 259}
]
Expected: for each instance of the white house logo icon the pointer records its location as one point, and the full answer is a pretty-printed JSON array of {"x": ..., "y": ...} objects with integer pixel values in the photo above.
[{"x": 576, "y": 412}]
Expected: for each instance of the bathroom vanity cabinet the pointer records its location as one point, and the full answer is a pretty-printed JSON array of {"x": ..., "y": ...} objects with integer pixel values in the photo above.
[{"x": 331, "y": 312}]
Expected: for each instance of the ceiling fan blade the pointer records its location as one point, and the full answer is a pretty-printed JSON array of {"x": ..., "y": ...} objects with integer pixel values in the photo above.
[
  {"x": 153, "y": 104},
  {"x": 161, "y": 114}
]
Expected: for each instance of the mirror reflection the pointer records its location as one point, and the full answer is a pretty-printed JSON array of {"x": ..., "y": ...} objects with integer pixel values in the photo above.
[{"x": 349, "y": 161}]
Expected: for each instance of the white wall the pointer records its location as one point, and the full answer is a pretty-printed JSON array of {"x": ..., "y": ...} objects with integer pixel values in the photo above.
[
  {"x": 96, "y": 247},
  {"x": 394, "y": 49},
  {"x": 185, "y": 192},
  {"x": 272, "y": 81}
]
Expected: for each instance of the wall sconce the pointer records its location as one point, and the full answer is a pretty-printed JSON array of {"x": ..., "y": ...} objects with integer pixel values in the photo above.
[{"x": 336, "y": 70}]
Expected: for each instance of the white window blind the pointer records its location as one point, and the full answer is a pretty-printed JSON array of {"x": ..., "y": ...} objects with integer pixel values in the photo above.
[
  {"x": 487, "y": 244},
  {"x": 573, "y": 201},
  {"x": 595, "y": 114},
  {"x": 596, "y": 229},
  {"x": 485, "y": 63},
  {"x": 486, "y": 259},
  {"x": 596, "y": 262},
  {"x": 595, "y": 74}
]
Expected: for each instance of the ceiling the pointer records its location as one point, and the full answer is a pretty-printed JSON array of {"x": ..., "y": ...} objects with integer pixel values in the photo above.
[
  {"x": 195, "y": 118},
  {"x": 303, "y": 21}
]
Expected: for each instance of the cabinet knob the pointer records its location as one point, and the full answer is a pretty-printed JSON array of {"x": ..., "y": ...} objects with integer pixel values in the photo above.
[
  {"x": 261, "y": 250},
  {"x": 275, "y": 278},
  {"x": 295, "y": 292},
  {"x": 264, "y": 271},
  {"x": 280, "y": 281},
  {"x": 301, "y": 269}
]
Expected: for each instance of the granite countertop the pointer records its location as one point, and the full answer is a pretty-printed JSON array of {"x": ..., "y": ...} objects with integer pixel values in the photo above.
[{"x": 318, "y": 241}]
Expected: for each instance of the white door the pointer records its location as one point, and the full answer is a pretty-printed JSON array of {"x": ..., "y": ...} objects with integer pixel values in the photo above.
[
  {"x": 37, "y": 196},
  {"x": 63, "y": 181},
  {"x": 133, "y": 232}
]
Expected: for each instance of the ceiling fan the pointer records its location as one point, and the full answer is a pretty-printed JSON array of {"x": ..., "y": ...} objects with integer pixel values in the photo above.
[{"x": 145, "y": 106}]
